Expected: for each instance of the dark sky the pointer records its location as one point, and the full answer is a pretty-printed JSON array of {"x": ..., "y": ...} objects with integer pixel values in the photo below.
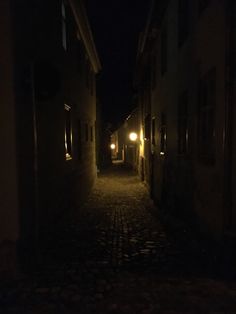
[{"x": 116, "y": 25}]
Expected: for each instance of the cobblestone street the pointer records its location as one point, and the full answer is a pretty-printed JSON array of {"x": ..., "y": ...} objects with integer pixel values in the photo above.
[{"x": 114, "y": 256}]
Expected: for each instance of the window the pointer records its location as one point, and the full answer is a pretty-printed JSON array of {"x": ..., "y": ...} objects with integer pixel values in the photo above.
[
  {"x": 164, "y": 51},
  {"x": 91, "y": 133},
  {"x": 202, "y": 4},
  {"x": 147, "y": 128},
  {"x": 68, "y": 133},
  {"x": 183, "y": 124},
  {"x": 63, "y": 21},
  {"x": 183, "y": 23},
  {"x": 86, "y": 132},
  {"x": 153, "y": 131},
  {"x": 163, "y": 135},
  {"x": 206, "y": 117}
]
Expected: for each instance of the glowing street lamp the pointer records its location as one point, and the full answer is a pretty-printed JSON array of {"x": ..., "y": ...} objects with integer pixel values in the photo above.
[
  {"x": 113, "y": 146},
  {"x": 133, "y": 136}
]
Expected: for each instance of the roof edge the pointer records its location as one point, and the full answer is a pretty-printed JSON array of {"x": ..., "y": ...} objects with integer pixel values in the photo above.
[{"x": 82, "y": 22}]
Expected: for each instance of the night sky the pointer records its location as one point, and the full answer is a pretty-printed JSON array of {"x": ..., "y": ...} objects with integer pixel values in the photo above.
[{"x": 116, "y": 25}]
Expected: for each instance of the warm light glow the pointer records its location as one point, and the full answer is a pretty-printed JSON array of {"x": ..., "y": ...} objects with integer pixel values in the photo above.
[
  {"x": 113, "y": 146},
  {"x": 162, "y": 153},
  {"x": 133, "y": 136}
]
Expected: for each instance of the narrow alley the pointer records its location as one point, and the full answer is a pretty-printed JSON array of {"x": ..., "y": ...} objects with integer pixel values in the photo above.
[{"x": 115, "y": 256}]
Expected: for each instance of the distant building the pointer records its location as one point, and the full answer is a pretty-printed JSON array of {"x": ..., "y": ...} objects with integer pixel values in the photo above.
[
  {"x": 185, "y": 80},
  {"x": 48, "y": 113},
  {"x": 127, "y": 140}
]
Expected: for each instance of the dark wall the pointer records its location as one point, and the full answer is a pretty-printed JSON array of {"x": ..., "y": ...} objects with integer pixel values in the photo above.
[{"x": 48, "y": 77}]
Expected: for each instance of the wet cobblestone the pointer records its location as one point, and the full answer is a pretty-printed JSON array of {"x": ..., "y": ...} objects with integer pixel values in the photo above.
[{"x": 114, "y": 256}]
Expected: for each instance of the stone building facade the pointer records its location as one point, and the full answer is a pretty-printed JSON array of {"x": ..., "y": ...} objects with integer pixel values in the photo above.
[
  {"x": 48, "y": 113},
  {"x": 185, "y": 81}
]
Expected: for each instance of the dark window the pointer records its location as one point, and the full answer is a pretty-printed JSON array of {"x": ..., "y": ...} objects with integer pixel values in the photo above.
[
  {"x": 91, "y": 133},
  {"x": 63, "y": 21},
  {"x": 147, "y": 127},
  {"x": 206, "y": 117},
  {"x": 86, "y": 132},
  {"x": 153, "y": 131},
  {"x": 202, "y": 4},
  {"x": 163, "y": 134},
  {"x": 183, "y": 124},
  {"x": 68, "y": 132},
  {"x": 183, "y": 21},
  {"x": 164, "y": 51}
]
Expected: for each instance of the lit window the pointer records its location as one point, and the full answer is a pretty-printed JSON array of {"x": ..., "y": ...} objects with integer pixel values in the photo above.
[{"x": 68, "y": 133}]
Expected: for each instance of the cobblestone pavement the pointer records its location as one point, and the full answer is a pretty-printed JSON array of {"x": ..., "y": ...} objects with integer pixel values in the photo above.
[{"x": 115, "y": 257}]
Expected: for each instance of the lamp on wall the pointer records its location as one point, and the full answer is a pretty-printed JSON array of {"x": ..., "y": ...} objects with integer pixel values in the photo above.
[{"x": 133, "y": 136}]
